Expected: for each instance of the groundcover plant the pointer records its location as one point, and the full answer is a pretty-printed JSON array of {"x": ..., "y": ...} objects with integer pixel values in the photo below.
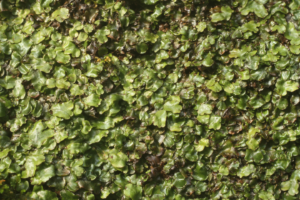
[{"x": 149, "y": 99}]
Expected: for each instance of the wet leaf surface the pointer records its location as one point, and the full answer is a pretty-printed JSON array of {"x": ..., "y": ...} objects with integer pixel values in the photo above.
[{"x": 148, "y": 99}]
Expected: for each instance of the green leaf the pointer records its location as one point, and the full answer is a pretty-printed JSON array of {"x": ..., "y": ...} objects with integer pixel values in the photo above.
[
  {"x": 142, "y": 48},
  {"x": 265, "y": 195},
  {"x": 213, "y": 85},
  {"x": 42, "y": 65},
  {"x": 172, "y": 104},
  {"x": 201, "y": 144},
  {"x": 76, "y": 90},
  {"x": 15, "y": 124},
  {"x": 282, "y": 87},
  {"x": 208, "y": 60},
  {"x": 86, "y": 127},
  {"x": 95, "y": 136},
  {"x": 44, "y": 195},
  {"x": 101, "y": 34},
  {"x": 76, "y": 147},
  {"x": 88, "y": 28},
  {"x": 36, "y": 134},
  {"x": 294, "y": 187},
  {"x": 204, "y": 119},
  {"x": 70, "y": 48},
  {"x": 93, "y": 69},
  {"x": 215, "y": 122},
  {"x": 200, "y": 173},
  {"x": 161, "y": 56},
  {"x": 117, "y": 159},
  {"x": 295, "y": 5},
  {"x": 149, "y": 2},
  {"x": 62, "y": 58},
  {"x": 22, "y": 47},
  {"x": 159, "y": 118},
  {"x": 30, "y": 165},
  {"x": 133, "y": 191},
  {"x": 201, "y": 26},
  {"x": 205, "y": 109},
  {"x": 62, "y": 84},
  {"x": 67, "y": 195},
  {"x": 19, "y": 90},
  {"x": 27, "y": 28},
  {"x": 43, "y": 175},
  {"x": 61, "y": 14},
  {"x": 224, "y": 170},
  {"x": 82, "y": 37},
  {"x": 250, "y": 26},
  {"x": 285, "y": 185},
  {"x": 107, "y": 123},
  {"x": 295, "y": 49},
  {"x": 256, "y": 7},
  {"x": 179, "y": 180},
  {"x": 4, "y": 153},
  {"x": 92, "y": 100},
  {"x": 224, "y": 15},
  {"x": 15, "y": 59},
  {"x": 282, "y": 104},
  {"x": 63, "y": 110},
  {"x": 252, "y": 142},
  {"x": 246, "y": 170},
  {"x": 292, "y": 34}
]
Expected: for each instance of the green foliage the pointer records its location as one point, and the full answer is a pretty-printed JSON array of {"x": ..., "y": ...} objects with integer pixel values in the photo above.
[{"x": 148, "y": 99}]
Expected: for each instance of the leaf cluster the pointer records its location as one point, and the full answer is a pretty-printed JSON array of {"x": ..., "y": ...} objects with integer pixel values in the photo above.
[{"x": 148, "y": 99}]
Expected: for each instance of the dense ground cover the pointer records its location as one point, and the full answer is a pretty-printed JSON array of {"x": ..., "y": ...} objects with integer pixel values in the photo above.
[{"x": 149, "y": 99}]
